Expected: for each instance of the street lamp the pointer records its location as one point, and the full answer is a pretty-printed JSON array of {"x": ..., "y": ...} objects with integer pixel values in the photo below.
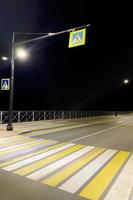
[
  {"x": 23, "y": 55},
  {"x": 20, "y": 53},
  {"x": 126, "y": 81},
  {"x": 4, "y": 58}
]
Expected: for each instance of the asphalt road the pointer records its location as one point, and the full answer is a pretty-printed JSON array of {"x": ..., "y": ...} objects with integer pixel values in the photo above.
[
  {"x": 88, "y": 160},
  {"x": 116, "y": 133}
]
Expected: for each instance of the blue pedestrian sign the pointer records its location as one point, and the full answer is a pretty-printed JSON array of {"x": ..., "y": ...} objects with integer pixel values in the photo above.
[{"x": 5, "y": 84}]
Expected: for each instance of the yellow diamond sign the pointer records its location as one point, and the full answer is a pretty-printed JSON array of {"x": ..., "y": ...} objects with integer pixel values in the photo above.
[{"x": 77, "y": 38}]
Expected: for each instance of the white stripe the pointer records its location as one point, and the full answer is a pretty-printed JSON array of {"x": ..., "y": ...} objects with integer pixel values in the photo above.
[
  {"x": 78, "y": 180},
  {"x": 123, "y": 185},
  {"x": 36, "y": 158},
  {"x": 19, "y": 145},
  {"x": 58, "y": 164}
]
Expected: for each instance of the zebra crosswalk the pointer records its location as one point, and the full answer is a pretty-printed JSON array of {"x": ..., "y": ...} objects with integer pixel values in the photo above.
[{"x": 88, "y": 171}]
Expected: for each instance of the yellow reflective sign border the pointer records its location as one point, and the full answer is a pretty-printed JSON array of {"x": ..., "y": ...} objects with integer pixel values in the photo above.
[{"x": 77, "y": 38}]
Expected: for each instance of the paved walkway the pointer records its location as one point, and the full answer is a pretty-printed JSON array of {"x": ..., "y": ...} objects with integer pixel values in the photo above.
[{"x": 26, "y": 127}]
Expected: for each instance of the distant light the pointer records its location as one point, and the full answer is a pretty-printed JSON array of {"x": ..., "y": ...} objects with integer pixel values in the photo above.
[
  {"x": 4, "y": 58},
  {"x": 126, "y": 81},
  {"x": 21, "y": 53}
]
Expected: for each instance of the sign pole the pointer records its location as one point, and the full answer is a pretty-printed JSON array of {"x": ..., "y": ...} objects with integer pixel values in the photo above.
[
  {"x": 9, "y": 125},
  {"x": 80, "y": 36}
]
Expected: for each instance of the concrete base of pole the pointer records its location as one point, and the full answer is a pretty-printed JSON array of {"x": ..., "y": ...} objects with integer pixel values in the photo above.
[
  {"x": 116, "y": 113},
  {"x": 9, "y": 127}
]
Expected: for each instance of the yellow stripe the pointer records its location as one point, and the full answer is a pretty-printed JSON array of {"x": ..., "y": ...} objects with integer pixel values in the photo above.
[
  {"x": 72, "y": 168},
  {"x": 30, "y": 155},
  {"x": 39, "y": 164},
  {"x": 10, "y": 138},
  {"x": 18, "y": 142},
  {"x": 98, "y": 185},
  {"x": 24, "y": 147}
]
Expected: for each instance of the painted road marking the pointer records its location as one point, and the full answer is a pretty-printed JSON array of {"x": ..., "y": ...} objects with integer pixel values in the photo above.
[
  {"x": 31, "y": 144},
  {"x": 123, "y": 185},
  {"x": 97, "y": 186},
  {"x": 39, "y": 164},
  {"x": 36, "y": 158},
  {"x": 78, "y": 180},
  {"x": 58, "y": 164},
  {"x": 27, "y": 141},
  {"x": 23, "y": 152},
  {"x": 74, "y": 168},
  {"x": 10, "y": 138},
  {"x": 66, "y": 172},
  {"x": 13, "y": 139},
  {"x": 6, "y": 163},
  {"x": 13, "y": 143}
]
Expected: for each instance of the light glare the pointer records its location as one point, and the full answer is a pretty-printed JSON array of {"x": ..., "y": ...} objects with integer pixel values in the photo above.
[
  {"x": 4, "y": 58},
  {"x": 126, "y": 81},
  {"x": 22, "y": 54}
]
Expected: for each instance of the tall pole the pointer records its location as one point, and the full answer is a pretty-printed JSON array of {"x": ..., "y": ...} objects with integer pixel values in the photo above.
[
  {"x": 9, "y": 125},
  {"x": 46, "y": 35}
]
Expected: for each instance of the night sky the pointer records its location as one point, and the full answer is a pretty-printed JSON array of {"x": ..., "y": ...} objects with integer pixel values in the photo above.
[{"x": 56, "y": 77}]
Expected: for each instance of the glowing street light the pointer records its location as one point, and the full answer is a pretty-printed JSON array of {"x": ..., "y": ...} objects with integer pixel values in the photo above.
[
  {"x": 4, "y": 58},
  {"x": 126, "y": 81},
  {"x": 21, "y": 53}
]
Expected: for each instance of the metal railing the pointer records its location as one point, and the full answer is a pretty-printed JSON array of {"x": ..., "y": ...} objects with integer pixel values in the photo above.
[{"x": 25, "y": 116}]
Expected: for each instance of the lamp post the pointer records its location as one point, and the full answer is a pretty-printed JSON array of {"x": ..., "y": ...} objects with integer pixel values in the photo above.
[
  {"x": 9, "y": 125},
  {"x": 23, "y": 55}
]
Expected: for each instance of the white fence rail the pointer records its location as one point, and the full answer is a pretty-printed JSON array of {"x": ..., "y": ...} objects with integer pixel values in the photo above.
[{"x": 25, "y": 116}]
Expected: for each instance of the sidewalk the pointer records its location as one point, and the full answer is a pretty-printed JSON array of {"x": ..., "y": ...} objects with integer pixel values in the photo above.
[{"x": 27, "y": 127}]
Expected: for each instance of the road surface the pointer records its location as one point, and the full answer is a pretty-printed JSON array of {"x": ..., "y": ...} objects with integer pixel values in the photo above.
[{"x": 86, "y": 160}]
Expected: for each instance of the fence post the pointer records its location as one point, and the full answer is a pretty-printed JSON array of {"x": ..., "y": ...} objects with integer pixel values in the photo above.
[
  {"x": 1, "y": 113},
  {"x": 75, "y": 114},
  {"x": 18, "y": 116},
  {"x": 62, "y": 115},
  {"x": 54, "y": 115},
  {"x": 33, "y": 116},
  {"x": 81, "y": 114},
  {"x": 44, "y": 115},
  {"x": 69, "y": 114}
]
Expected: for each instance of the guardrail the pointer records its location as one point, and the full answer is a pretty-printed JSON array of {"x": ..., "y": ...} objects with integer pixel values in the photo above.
[{"x": 25, "y": 116}]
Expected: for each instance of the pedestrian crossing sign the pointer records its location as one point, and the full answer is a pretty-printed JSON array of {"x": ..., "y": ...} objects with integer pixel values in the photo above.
[
  {"x": 77, "y": 38},
  {"x": 5, "y": 84}
]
